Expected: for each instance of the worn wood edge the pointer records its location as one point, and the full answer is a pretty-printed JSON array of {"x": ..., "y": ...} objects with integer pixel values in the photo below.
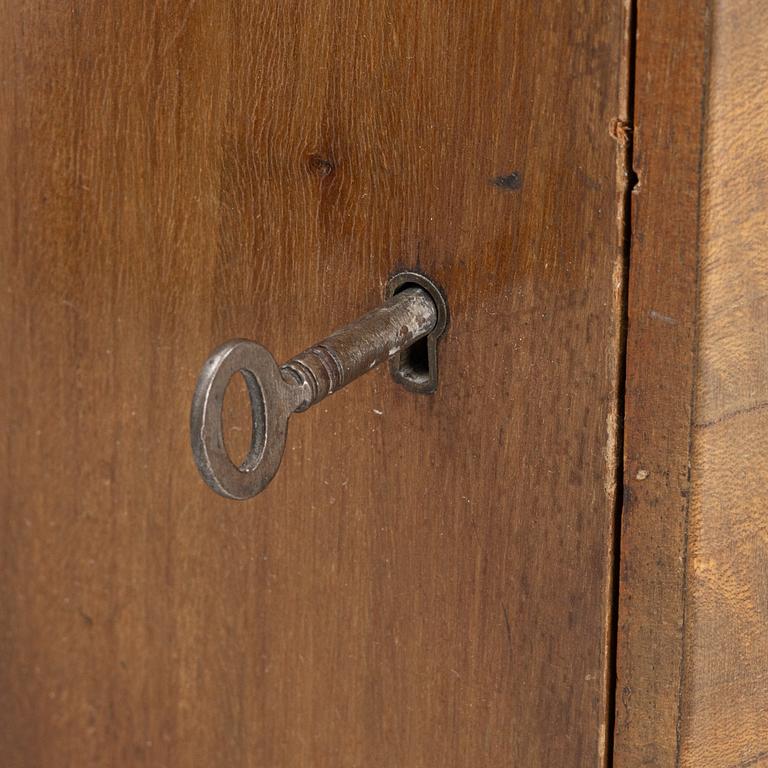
[
  {"x": 621, "y": 131},
  {"x": 671, "y": 67}
]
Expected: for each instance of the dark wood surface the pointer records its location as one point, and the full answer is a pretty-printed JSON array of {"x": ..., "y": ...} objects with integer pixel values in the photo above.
[
  {"x": 692, "y": 660},
  {"x": 427, "y": 582}
]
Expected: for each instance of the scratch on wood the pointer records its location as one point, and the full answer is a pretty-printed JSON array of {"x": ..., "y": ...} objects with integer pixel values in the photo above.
[
  {"x": 509, "y": 628},
  {"x": 732, "y": 415},
  {"x": 654, "y": 315}
]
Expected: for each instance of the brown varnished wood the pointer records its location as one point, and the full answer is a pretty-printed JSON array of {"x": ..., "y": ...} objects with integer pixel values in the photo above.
[
  {"x": 427, "y": 580},
  {"x": 670, "y": 79}
]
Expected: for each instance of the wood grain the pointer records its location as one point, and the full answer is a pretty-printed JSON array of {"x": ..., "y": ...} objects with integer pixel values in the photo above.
[
  {"x": 692, "y": 648},
  {"x": 427, "y": 581},
  {"x": 671, "y": 61},
  {"x": 725, "y": 695}
]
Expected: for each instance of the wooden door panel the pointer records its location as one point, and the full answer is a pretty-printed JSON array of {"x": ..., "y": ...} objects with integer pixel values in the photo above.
[{"x": 427, "y": 580}]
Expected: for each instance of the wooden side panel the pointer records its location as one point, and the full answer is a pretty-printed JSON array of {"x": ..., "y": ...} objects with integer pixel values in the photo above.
[
  {"x": 670, "y": 76},
  {"x": 725, "y": 705},
  {"x": 427, "y": 581},
  {"x": 693, "y": 648}
]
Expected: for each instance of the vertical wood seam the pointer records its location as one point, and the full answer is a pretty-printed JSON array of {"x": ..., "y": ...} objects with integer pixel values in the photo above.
[{"x": 625, "y": 202}]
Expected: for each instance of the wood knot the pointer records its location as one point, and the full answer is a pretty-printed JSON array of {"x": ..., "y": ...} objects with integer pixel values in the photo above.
[{"x": 320, "y": 166}]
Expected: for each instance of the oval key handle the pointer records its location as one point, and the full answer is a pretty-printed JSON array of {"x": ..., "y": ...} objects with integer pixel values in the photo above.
[{"x": 417, "y": 311}]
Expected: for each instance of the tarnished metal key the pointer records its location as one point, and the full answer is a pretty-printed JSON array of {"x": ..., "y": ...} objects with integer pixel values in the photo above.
[{"x": 415, "y": 312}]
